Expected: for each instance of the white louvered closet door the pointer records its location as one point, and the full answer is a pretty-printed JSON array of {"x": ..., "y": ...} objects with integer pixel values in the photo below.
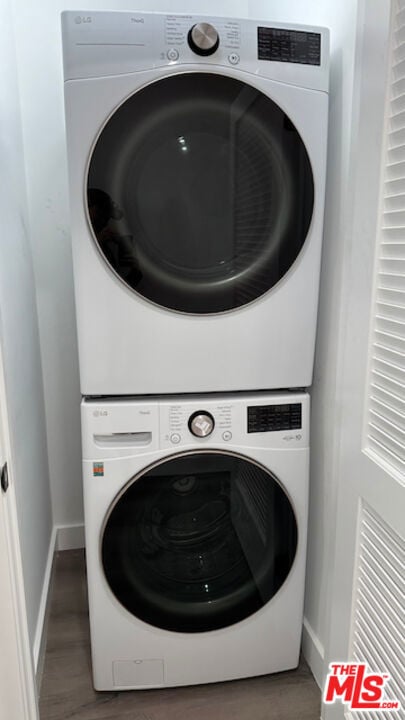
[{"x": 367, "y": 617}]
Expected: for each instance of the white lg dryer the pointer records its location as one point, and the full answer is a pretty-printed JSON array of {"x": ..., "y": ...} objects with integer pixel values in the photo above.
[
  {"x": 196, "y": 526},
  {"x": 197, "y": 154}
]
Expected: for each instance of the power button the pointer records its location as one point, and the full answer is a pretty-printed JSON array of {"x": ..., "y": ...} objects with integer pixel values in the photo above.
[
  {"x": 172, "y": 54},
  {"x": 233, "y": 58},
  {"x": 175, "y": 438}
]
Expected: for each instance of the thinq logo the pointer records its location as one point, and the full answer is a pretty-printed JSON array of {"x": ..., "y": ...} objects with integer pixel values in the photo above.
[{"x": 357, "y": 688}]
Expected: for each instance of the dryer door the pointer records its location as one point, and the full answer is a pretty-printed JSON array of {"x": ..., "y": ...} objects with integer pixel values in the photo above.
[
  {"x": 199, "y": 541},
  {"x": 200, "y": 193}
]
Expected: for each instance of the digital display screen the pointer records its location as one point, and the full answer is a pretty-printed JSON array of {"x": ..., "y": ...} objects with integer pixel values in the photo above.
[
  {"x": 271, "y": 418},
  {"x": 294, "y": 46}
]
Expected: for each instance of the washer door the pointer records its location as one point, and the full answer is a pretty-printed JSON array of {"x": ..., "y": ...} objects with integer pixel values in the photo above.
[
  {"x": 199, "y": 541},
  {"x": 200, "y": 193}
]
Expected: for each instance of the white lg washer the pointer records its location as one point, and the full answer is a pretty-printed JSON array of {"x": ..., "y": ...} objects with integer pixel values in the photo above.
[
  {"x": 197, "y": 154},
  {"x": 196, "y": 525}
]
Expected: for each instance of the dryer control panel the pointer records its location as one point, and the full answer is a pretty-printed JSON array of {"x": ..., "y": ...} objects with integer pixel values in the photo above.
[{"x": 102, "y": 44}]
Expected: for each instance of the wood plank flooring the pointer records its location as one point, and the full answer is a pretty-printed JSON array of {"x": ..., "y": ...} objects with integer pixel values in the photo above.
[{"x": 67, "y": 692}]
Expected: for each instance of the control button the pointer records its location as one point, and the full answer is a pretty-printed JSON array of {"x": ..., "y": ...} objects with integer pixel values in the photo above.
[
  {"x": 175, "y": 438},
  {"x": 233, "y": 58},
  {"x": 201, "y": 423},
  {"x": 203, "y": 39},
  {"x": 227, "y": 435},
  {"x": 172, "y": 54}
]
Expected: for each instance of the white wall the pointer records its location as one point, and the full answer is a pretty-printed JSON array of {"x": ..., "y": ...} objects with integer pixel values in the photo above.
[
  {"x": 326, "y": 401},
  {"x": 19, "y": 339},
  {"x": 40, "y": 75}
]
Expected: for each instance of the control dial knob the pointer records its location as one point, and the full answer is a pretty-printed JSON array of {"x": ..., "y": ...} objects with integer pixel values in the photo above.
[
  {"x": 201, "y": 423},
  {"x": 203, "y": 39}
]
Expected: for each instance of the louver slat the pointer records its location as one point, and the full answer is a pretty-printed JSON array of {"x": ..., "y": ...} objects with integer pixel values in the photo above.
[
  {"x": 393, "y": 250},
  {"x": 393, "y": 430},
  {"x": 385, "y": 594},
  {"x": 391, "y": 399},
  {"x": 394, "y": 327},
  {"x": 378, "y": 636},
  {"x": 397, "y": 119},
  {"x": 395, "y": 187},
  {"x": 396, "y": 154},
  {"x": 398, "y": 68},
  {"x": 389, "y": 369},
  {"x": 396, "y": 201},
  {"x": 394, "y": 357},
  {"x": 389, "y": 340},
  {"x": 396, "y": 170},
  {"x": 385, "y": 434},
  {"x": 378, "y": 406},
  {"x": 395, "y": 218},
  {"x": 386, "y": 387},
  {"x": 384, "y": 454},
  {"x": 392, "y": 233},
  {"x": 397, "y": 88},
  {"x": 399, "y": 35},
  {"x": 396, "y": 265},
  {"x": 400, "y": 18},
  {"x": 371, "y": 646},
  {"x": 394, "y": 449},
  {"x": 392, "y": 427},
  {"x": 392, "y": 280},
  {"x": 382, "y": 380},
  {"x": 390, "y": 295},
  {"x": 396, "y": 138}
]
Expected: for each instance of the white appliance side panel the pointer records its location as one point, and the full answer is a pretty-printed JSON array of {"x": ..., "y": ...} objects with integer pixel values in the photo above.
[{"x": 127, "y": 345}]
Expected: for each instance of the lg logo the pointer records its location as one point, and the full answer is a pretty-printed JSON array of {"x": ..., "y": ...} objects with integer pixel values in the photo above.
[{"x": 80, "y": 19}]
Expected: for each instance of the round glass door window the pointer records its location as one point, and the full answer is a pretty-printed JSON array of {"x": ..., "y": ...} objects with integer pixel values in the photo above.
[
  {"x": 200, "y": 193},
  {"x": 199, "y": 542}
]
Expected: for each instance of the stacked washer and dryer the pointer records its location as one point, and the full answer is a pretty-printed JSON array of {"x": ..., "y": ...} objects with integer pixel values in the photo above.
[{"x": 197, "y": 156}]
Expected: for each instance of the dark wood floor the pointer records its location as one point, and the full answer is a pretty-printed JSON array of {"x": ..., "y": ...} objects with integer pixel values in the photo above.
[{"x": 67, "y": 692}]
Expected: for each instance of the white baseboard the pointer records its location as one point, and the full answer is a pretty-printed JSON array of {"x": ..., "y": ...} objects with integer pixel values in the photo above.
[
  {"x": 70, "y": 537},
  {"x": 38, "y": 649},
  {"x": 313, "y": 652},
  {"x": 63, "y": 537}
]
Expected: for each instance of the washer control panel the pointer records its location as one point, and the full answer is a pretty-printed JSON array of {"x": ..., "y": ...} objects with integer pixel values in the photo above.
[
  {"x": 184, "y": 422},
  {"x": 273, "y": 418},
  {"x": 120, "y": 428},
  {"x": 246, "y": 421}
]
